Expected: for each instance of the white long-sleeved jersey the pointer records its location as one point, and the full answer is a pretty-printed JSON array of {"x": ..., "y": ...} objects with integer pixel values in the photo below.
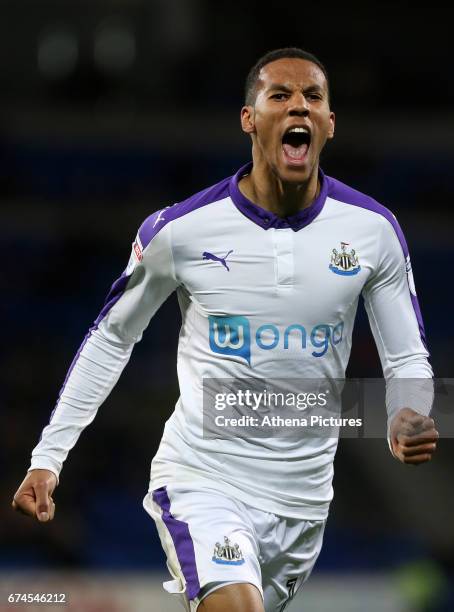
[{"x": 260, "y": 296}]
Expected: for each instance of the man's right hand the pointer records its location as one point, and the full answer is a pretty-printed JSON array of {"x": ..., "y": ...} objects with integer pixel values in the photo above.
[{"x": 34, "y": 496}]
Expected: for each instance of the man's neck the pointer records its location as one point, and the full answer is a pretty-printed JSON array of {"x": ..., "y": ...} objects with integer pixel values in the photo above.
[{"x": 263, "y": 188}]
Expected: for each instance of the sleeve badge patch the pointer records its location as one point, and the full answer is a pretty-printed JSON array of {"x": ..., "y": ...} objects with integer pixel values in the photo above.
[{"x": 137, "y": 251}]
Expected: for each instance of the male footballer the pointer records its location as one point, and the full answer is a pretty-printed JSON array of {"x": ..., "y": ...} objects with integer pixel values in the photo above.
[{"x": 268, "y": 266}]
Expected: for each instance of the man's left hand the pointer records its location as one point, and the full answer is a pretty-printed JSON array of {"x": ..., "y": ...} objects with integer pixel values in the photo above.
[{"x": 413, "y": 437}]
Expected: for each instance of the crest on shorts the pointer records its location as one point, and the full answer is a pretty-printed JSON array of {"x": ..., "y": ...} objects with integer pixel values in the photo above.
[
  {"x": 226, "y": 554},
  {"x": 343, "y": 262}
]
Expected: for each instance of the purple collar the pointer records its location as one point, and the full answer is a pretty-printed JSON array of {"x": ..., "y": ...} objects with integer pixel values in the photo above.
[{"x": 267, "y": 219}]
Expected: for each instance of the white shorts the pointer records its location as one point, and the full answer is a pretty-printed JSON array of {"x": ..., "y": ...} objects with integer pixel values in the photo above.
[{"x": 212, "y": 540}]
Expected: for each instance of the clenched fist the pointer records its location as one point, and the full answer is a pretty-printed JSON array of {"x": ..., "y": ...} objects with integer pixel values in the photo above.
[
  {"x": 34, "y": 496},
  {"x": 413, "y": 437}
]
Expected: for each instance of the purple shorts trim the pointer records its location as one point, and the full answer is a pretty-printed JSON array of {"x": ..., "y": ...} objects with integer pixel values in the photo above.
[{"x": 182, "y": 540}]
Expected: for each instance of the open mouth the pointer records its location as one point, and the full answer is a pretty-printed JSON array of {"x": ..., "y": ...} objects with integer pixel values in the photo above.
[{"x": 295, "y": 144}]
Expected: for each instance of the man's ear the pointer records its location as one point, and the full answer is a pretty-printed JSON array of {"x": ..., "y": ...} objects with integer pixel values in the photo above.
[
  {"x": 247, "y": 119},
  {"x": 332, "y": 121}
]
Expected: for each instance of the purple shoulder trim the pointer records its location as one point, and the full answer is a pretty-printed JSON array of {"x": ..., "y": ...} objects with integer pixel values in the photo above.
[
  {"x": 150, "y": 227},
  {"x": 155, "y": 222},
  {"x": 344, "y": 193}
]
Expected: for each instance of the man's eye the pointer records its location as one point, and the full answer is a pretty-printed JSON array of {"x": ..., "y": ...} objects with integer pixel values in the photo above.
[
  {"x": 279, "y": 96},
  {"x": 314, "y": 96}
]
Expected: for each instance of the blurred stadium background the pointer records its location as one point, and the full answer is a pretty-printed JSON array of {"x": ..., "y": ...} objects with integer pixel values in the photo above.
[{"x": 111, "y": 109}]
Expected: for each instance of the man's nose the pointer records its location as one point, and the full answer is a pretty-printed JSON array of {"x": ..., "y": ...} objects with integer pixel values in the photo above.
[{"x": 299, "y": 105}]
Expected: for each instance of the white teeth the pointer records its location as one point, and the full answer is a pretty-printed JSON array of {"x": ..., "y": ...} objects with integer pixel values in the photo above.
[{"x": 298, "y": 130}]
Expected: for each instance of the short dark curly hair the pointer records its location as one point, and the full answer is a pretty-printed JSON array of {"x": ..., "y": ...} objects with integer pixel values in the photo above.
[{"x": 250, "y": 93}]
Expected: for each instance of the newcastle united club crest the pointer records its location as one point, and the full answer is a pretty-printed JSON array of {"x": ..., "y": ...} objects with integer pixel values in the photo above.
[
  {"x": 344, "y": 262},
  {"x": 227, "y": 554}
]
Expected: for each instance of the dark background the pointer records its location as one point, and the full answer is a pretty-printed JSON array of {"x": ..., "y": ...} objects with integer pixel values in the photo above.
[{"x": 110, "y": 110}]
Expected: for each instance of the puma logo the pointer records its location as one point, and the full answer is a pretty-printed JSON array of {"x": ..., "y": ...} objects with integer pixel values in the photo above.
[{"x": 221, "y": 260}]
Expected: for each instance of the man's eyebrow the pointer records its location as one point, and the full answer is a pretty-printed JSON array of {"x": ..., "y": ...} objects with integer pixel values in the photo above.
[
  {"x": 314, "y": 87},
  {"x": 282, "y": 87},
  {"x": 279, "y": 86}
]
